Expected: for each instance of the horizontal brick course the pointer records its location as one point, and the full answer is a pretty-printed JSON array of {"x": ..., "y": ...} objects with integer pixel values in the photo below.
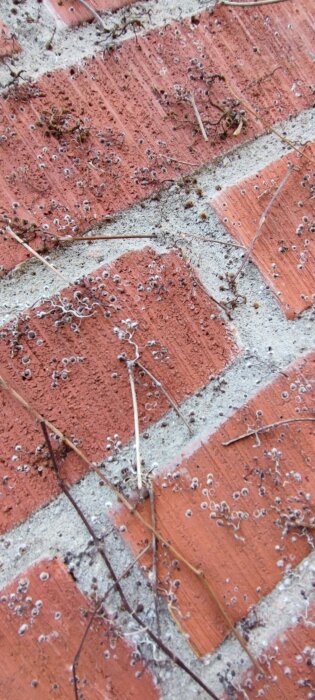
[
  {"x": 72, "y": 12},
  {"x": 77, "y": 380},
  {"x": 284, "y": 250},
  {"x": 43, "y": 616},
  {"x": 267, "y": 478},
  {"x": 93, "y": 139}
]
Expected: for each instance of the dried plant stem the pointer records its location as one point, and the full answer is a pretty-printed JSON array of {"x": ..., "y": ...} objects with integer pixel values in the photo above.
[
  {"x": 252, "y": 3},
  {"x": 133, "y": 511},
  {"x": 78, "y": 653},
  {"x": 166, "y": 394},
  {"x": 73, "y": 239},
  {"x": 95, "y": 14},
  {"x": 95, "y": 613},
  {"x": 204, "y": 239},
  {"x": 197, "y": 115},
  {"x": 265, "y": 428},
  {"x": 261, "y": 222},
  {"x": 154, "y": 560},
  {"x": 200, "y": 575},
  {"x": 175, "y": 160},
  {"x": 277, "y": 133},
  {"x": 36, "y": 254},
  {"x": 130, "y": 367},
  {"x": 230, "y": 244},
  {"x": 117, "y": 583}
]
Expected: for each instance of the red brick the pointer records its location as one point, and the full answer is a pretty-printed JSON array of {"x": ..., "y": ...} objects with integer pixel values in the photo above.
[
  {"x": 290, "y": 667},
  {"x": 8, "y": 43},
  {"x": 43, "y": 618},
  {"x": 241, "y": 572},
  {"x": 72, "y": 12},
  {"x": 284, "y": 250},
  {"x": 179, "y": 340},
  {"x": 124, "y": 119}
]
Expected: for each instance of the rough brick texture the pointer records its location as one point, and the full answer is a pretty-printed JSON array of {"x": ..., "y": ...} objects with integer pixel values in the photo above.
[
  {"x": 289, "y": 663},
  {"x": 77, "y": 379},
  {"x": 284, "y": 250},
  {"x": 43, "y": 616},
  {"x": 8, "y": 42},
  {"x": 72, "y": 12},
  {"x": 237, "y": 511},
  {"x": 93, "y": 139}
]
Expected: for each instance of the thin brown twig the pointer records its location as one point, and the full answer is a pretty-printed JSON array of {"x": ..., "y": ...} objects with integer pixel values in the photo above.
[
  {"x": 252, "y": 3},
  {"x": 174, "y": 405},
  {"x": 268, "y": 127},
  {"x": 95, "y": 14},
  {"x": 204, "y": 239},
  {"x": 166, "y": 394},
  {"x": 36, "y": 254},
  {"x": 154, "y": 561},
  {"x": 191, "y": 98},
  {"x": 175, "y": 160},
  {"x": 73, "y": 239},
  {"x": 230, "y": 244},
  {"x": 79, "y": 651},
  {"x": 262, "y": 221},
  {"x": 133, "y": 511},
  {"x": 95, "y": 613},
  {"x": 265, "y": 428},
  {"x": 126, "y": 605}
]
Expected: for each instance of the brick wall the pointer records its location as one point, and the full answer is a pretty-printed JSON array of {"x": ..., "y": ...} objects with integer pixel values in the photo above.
[{"x": 157, "y": 462}]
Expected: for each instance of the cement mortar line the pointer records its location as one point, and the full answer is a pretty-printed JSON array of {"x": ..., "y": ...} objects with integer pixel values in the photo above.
[
  {"x": 71, "y": 45},
  {"x": 81, "y": 258}
]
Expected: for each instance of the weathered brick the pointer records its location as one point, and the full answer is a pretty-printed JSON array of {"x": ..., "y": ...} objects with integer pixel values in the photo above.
[
  {"x": 289, "y": 662},
  {"x": 284, "y": 249},
  {"x": 91, "y": 140},
  {"x": 9, "y": 45},
  {"x": 267, "y": 480},
  {"x": 72, "y": 12},
  {"x": 43, "y": 616},
  {"x": 77, "y": 379}
]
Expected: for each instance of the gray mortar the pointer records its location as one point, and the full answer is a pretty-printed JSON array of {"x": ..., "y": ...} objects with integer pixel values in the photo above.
[
  {"x": 72, "y": 45},
  {"x": 56, "y": 529}
]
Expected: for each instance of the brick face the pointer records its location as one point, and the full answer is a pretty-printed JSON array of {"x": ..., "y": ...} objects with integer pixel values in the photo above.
[
  {"x": 8, "y": 43},
  {"x": 99, "y": 137},
  {"x": 77, "y": 379},
  {"x": 289, "y": 664},
  {"x": 265, "y": 480},
  {"x": 72, "y": 12},
  {"x": 78, "y": 146},
  {"x": 284, "y": 250},
  {"x": 43, "y": 618}
]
